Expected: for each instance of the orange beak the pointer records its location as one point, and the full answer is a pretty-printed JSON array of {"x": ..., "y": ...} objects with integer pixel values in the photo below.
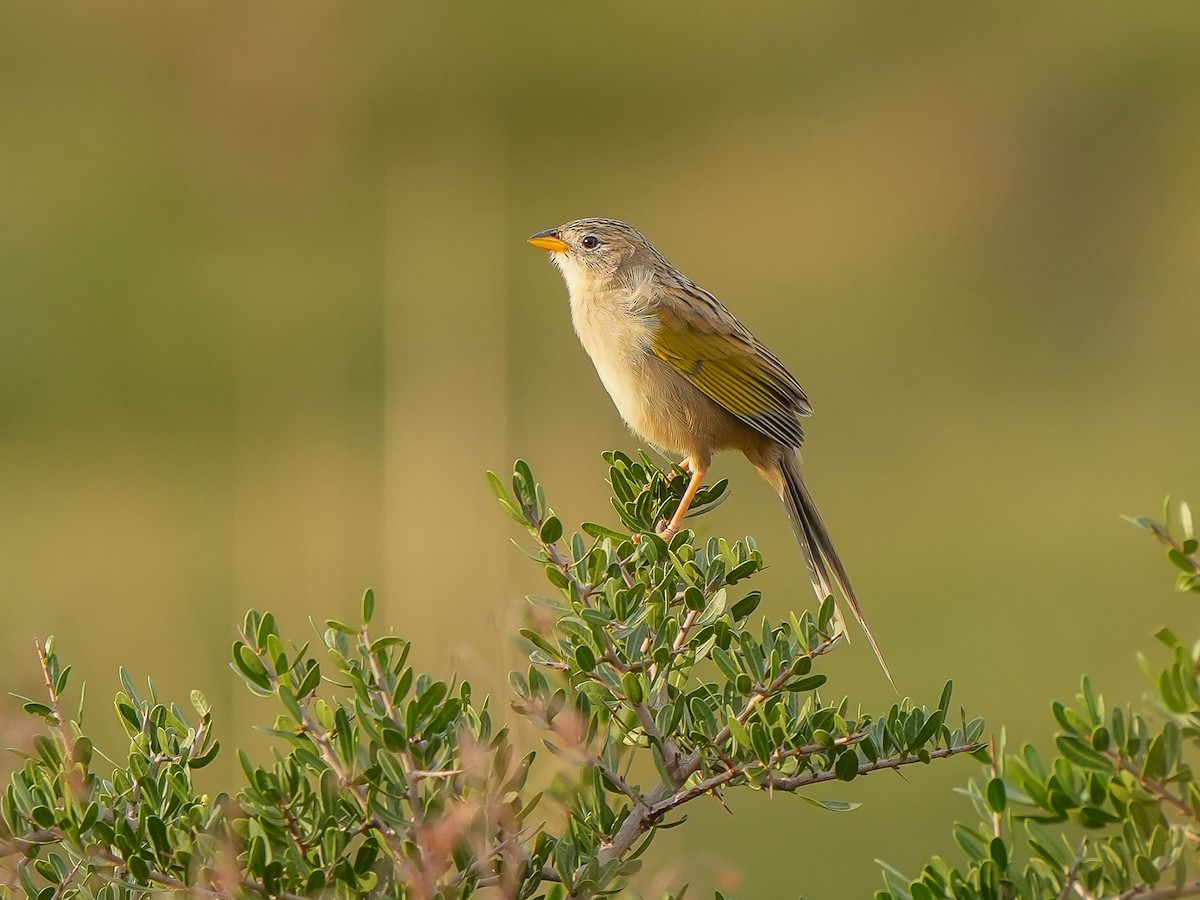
[{"x": 549, "y": 240}]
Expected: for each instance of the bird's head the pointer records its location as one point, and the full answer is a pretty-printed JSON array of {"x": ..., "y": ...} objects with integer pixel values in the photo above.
[{"x": 594, "y": 254}]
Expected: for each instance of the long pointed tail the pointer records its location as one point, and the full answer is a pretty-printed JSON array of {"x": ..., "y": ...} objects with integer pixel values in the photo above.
[{"x": 823, "y": 561}]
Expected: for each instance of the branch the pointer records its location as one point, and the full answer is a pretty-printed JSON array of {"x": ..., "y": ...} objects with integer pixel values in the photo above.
[
  {"x": 1157, "y": 788},
  {"x": 662, "y": 800},
  {"x": 1191, "y": 889},
  {"x": 55, "y": 836},
  {"x": 1167, "y": 538},
  {"x": 734, "y": 772},
  {"x": 692, "y": 764},
  {"x": 64, "y": 735},
  {"x": 24, "y": 842},
  {"x": 670, "y": 750},
  {"x": 794, "y": 782}
]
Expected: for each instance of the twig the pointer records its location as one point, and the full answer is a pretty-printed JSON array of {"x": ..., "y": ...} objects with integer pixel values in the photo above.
[
  {"x": 1068, "y": 886},
  {"x": 997, "y": 818},
  {"x": 723, "y": 736},
  {"x": 64, "y": 736},
  {"x": 793, "y": 782},
  {"x": 24, "y": 842},
  {"x": 54, "y": 835},
  {"x": 1167, "y": 538},
  {"x": 377, "y": 671},
  {"x": 734, "y": 772},
  {"x": 1155, "y": 787},
  {"x": 1191, "y": 889}
]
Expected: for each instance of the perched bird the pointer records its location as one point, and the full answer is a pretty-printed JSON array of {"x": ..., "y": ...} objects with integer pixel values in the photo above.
[{"x": 689, "y": 378}]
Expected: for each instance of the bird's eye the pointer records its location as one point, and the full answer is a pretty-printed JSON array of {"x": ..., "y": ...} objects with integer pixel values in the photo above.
[{"x": 590, "y": 242}]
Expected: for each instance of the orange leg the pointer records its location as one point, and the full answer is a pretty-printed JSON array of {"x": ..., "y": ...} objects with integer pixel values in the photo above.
[
  {"x": 698, "y": 472},
  {"x": 685, "y": 464}
]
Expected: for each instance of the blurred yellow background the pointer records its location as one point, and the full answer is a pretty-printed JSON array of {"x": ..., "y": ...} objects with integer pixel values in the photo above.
[{"x": 267, "y": 314}]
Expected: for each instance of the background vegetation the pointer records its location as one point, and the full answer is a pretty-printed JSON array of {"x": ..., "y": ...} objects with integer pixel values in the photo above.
[
  {"x": 651, "y": 683},
  {"x": 267, "y": 314}
]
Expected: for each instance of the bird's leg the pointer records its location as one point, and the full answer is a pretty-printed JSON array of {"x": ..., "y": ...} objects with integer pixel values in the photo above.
[
  {"x": 685, "y": 464},
  {"x": 698, "y": 472}
]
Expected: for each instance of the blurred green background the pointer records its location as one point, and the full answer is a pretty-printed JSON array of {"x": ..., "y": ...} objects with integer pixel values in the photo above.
[{"x": 267, "y": 314}]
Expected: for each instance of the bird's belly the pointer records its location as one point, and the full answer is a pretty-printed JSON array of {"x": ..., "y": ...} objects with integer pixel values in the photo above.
[
  {"x": 624, "y": 377},
  {"x": 657, "y": 403}
]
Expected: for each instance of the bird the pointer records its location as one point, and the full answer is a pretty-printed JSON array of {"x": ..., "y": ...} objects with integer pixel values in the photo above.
[{"x": 690, "y": 379}]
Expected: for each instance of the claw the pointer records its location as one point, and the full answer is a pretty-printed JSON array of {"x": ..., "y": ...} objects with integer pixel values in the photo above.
[{"x": 685, "y": 465}]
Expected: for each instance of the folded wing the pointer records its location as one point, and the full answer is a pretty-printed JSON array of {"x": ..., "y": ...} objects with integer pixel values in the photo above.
[{"x": 703, "y": 341}]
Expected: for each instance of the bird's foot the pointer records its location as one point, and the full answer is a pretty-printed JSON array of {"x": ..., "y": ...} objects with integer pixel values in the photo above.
[
  {"x": 683, "y": 465},
  {"x": 663, "y": 530}
]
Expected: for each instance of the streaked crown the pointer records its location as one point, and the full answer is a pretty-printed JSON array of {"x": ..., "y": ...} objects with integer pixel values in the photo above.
[{"x": 603, "y": 247}]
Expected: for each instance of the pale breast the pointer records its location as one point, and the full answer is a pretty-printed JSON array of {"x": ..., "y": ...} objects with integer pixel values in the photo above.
[
  {"x": 654, "y": 400},
  {"x": 618, "y": 350}
]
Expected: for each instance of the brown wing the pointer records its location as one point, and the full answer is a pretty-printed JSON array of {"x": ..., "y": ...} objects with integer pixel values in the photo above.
[{"x": 703, "y": 341}]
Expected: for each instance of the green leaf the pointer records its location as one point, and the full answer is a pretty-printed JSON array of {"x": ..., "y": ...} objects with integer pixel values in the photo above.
[
  {"x": 288, "y": 699},
  {"x": 1095, "y": 817},
  {"x": 199, "y": 762},
  {"x": 809, "y": 683},
  {"x": 368, "y": 606},
  {"x": 310, "y": 682},
  {"x": 744, "y": 570},
  {"x": 552, "y": 530},
  {"x": 996, "y": 795},
  {"x": 744, "y": 607},
  {"x": 43, "y": 816},
  {"x": 1182, "y": 560},
  {"x": 1081, "y": 754},
  {"x": 944, "y": 703},
  {"x": 1155, "y": 767},
  {"x": 632, "y": 685},
  {"x": 248, "y": 664},
  {"x": 726, "y": 664},
  {"x": 761, "y": 742},
  {"x": 585, "y": 658},
  {"x": 1050, "y": 847},
  {"x": 826, "y": 613},
  {"x": 506, "y": 504},
  {"x": 599, "y": 531},
  {"x": 40, "y": 709},
  {"x": 846, "y": 766},
  {"x": 928, "y": 730},
  {"x": 1146, "y": 870},
  {"x": 540, "y": 642},
  {"x": 831, "y": 805},
  {"x": 713, "y": 609},
  {"x": 737, "y": 730},
  {"x": 138, "y": 869},
  {"x": 60, "y": 683},
  {"x": 526, "y": 490},
  {"x": 970, "y": 842},
  {"x": 998, "y": 850},
  {"x": 266, "y": 627}
]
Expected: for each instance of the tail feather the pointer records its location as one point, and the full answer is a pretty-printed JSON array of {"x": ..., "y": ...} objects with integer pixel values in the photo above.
[{"x": 824, "y": 564}]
